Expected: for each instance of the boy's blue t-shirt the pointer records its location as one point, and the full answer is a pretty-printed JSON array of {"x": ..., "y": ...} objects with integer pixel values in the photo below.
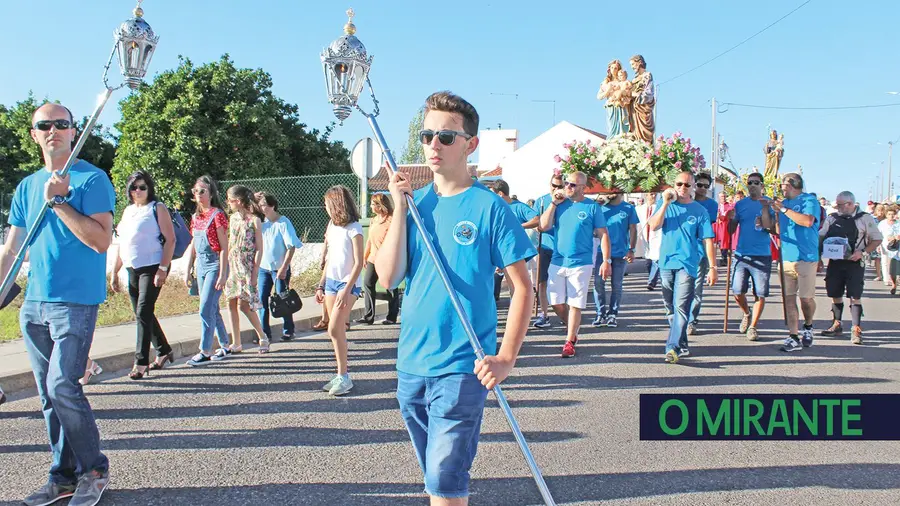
[
  {"x": 61, "y": 267},
  {"x": 474, "y": 233},
  {"x": 277, "y": 238},
  {"x": 712, "y": 208},
  {"x": 800, "y": 244},
  {"x": 574, "y": 225},
  {"x": 619, "y": 219},
  {"x": 753, "y": 240},
  {"x": 548, "y": 238},
  {"x": 685, "y": 226},
  {"x": 522, "y": 212}
]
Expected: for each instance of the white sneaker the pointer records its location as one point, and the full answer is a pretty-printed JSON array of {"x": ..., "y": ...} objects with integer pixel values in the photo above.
[
  {"x": 341, "y": 386},
  {"x": 327, "y": 386}
]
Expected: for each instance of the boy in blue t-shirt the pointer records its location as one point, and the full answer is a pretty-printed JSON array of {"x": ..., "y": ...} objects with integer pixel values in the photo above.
[
  {"x": 525, "y": 215},
  {"x": 441, "y": 387},
  {"x": 702, "y": 183},
  {"x": 685, "y": 224},
  {"x": 621, "y": 224}
]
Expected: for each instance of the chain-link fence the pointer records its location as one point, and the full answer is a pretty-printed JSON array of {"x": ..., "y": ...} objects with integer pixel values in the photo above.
[
  {"x": 300, "y": 199},
  {"x": 5, "y": 204}
]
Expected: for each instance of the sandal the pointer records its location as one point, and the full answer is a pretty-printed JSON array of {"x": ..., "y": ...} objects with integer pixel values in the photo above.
[
  {"x": 236, "y": 349},
  {"x": 263, "y": 346},
  {"x": 94, "y": 370},
  {"x": 137, "y": 373},
  {"x": 157, "y": 364},
  {"x": 322, "y": 325}
]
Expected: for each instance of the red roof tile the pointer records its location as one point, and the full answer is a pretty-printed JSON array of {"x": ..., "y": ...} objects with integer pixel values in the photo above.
[{"x": 493, "y": 172}]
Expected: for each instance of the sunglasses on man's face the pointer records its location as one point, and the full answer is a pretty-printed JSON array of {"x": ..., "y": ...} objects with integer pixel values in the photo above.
[
  {"x": 570, "y": 184},
  {"x": 754, "y": 183},
  {"x": 680, "y": 184},
  {"x": 557, "y": 186},
  {"x": 139, "y": 187},
  {"x": 60, "y": 124},
  {"x": 702, "y": 185},
  {"x": 445, "y": 137},
  {"x": 199, "y": 191}
]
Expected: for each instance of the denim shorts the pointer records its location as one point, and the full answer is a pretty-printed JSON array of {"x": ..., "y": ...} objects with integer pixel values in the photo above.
[
  {"x": 333, "y": 286},
  {"x": 443, "y": 416},
  {"x": 757, "y": 268}
]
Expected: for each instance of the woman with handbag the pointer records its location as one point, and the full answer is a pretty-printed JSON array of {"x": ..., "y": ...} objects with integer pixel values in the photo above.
[
  {"x": 890, "y": 229},
  {"x": 279, "y": 243},
  {"x": 146, "y": 247},
  {"x": 384, "y": 210}
]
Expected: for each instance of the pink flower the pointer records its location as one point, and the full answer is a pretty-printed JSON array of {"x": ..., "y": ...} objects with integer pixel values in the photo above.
[
  {"x": 557, "y": 171},
  {"x": 677, "y": 134},
  {"x": 657, "y": 152},
  {"x": 688, "y": 140},
  {"x": 662, "y": 138},
  {"x": 670, "y": 142},
  {"x": 588, "y": 142},
  {"x": 566, "y": 158},
  {"x": 580, "y": 151},
  {"x": 557, "y": 159},
  {"x": 687, "y": 149},
  {"x": 678, "y": 164},
  {"x": 647, "y": 156},
  {"x": 593, "y": 149},
  {"x": 671, "y": 154},
  {"x": 566, "y": 145}
]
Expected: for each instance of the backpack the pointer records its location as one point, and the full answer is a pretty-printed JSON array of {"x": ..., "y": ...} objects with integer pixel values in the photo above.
[
  {"x": 842, "y": 237},
  {"x": 182, "y": 233}
]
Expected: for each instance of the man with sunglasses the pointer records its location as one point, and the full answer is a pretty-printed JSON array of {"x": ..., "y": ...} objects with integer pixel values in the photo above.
[
  {"x": 753, "y": 219},
  {"x": 66, "y": 284},
  {"x": 578, "y": 222},
  {"x": 685, "y": 224},
  {"x": 441, "y": 387},
  {"x": 702, "y": 182},
  {"x": 548, "y": 244},
  {"x": 798, "y": 222}
]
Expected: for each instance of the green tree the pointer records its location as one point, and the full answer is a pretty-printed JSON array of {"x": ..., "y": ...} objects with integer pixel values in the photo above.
[
  {"x": 413, "y": 153},
  {"x": 219, "y": 120}
]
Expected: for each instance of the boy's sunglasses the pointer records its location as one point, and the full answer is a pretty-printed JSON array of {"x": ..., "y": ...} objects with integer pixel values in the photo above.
[
  {"x": 445, "y": 137},
  {"x": 680, "y": 184},
  {"x": 60, "y": 124},
  {"x": 702, "y": 185},
  {"x": 198, "y": 191},
  {"x": 754, "y": 183},
  {"x": 139, "y": 187}
]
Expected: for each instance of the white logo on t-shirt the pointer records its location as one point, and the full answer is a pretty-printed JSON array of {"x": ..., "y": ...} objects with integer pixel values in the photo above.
[
  {"x": 623, "y": 215},
  {"x": 692, "y": 220},
  {"x": 464, "y": 233},
  {"x": 582, "y": 215},
  {"x": 797, "y": 208}
]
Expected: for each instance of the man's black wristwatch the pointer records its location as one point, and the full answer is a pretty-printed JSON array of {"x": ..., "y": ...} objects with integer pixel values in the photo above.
[{"x": 59, "y": 199}]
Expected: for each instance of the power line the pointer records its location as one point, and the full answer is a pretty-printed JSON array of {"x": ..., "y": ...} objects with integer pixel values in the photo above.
[
  {"x": 736, "y": 45},
  {"x": 837, "y": 108}
]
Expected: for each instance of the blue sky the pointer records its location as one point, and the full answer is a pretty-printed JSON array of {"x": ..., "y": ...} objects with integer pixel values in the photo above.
[{"x": 822, "y": 55}]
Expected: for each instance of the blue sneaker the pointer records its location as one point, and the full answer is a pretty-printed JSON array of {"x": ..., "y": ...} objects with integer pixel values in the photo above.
[
  {"x": 611, "y": 321},
  {"x": 542, "y": 322},
  {"x": 599, "y": 321}
]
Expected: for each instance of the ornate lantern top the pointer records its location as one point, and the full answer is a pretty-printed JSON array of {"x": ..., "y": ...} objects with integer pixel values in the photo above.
[
  {"x": 346, "y": 64},
  {"x": 136, "y": 44}
]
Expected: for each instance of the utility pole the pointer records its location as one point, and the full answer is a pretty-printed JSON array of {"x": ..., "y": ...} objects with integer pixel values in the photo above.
[
  {"x": 890, "y": 184},
  {"x": 714, "y": 151}
]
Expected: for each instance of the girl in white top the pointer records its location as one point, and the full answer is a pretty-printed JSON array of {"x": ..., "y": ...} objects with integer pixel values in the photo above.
[
  {"x": 890, "y": 229},
  {"x": 146, "y": 246},
  {"x": 340, "y": 284}
]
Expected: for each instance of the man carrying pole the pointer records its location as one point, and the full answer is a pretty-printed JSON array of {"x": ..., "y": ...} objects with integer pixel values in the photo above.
[
  {"x": 798, "y": 225},
  {"x": 752, "y": 256}
]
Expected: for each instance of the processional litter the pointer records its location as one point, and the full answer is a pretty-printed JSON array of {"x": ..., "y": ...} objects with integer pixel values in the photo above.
[
  {"x": 346, "y": 65},
  {"x": 135, "y": 44}
]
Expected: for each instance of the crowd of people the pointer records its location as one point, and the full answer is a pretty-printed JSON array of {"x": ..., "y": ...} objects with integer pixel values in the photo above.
[{"x": 561, "y": 248}]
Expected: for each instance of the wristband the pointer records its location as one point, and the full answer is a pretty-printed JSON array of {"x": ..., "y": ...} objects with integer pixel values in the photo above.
[
  {"x": 783, "y": 210},
  {"x": 164, "y": 268}
]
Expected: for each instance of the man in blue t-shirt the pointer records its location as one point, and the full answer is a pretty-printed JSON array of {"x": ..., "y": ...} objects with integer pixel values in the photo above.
[
  {"x": 577, "y": 222},
  {"x": 66, "y": 284},
  {"x": 702, "y": 183},
  {"x": 753, "y": 255},
  {"x": 441, "y": 386},
  {"x": 621, "y": 223},
  {"x": 798, "y": 222},
  {"x": 527, "y": 216},
  {"x": 685, "y": 224},
  {"x": 548, "y": 244}
]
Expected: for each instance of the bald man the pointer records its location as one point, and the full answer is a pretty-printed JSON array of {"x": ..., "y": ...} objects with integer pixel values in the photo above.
[{"x": 66, "y": 285}]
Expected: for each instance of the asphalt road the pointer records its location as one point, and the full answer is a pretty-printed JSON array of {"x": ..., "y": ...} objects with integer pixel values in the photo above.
[{"x": 258, "y": 429}]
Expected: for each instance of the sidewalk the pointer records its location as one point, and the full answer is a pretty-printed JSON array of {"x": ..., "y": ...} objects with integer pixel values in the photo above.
[{"x": 114, "y": 346}]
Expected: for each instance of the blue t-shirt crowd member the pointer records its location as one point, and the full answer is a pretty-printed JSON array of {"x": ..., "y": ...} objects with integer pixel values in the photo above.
[
  {"x": 66, "y": 284},
  {"x": 753, "y": 218},
  {"x": 798, "y": 222},
  {"x": 621, "y": 224},
  {"x": 702, "y": 184},
  {"x": 577, "y": 221},
  {"x": 548, "y": 244},
  {"x": 280, "y": 241},
  {"x": 684, "y": 224},
  {"x": 474, "y": 232},
  {"x": 527, "y": 216}
]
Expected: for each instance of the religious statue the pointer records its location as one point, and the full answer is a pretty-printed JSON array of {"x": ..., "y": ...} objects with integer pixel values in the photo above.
[
  {"x": 617, "y": 90},
  {"x": 641, "y": 118},
  {"x": 774, "y": 152}
]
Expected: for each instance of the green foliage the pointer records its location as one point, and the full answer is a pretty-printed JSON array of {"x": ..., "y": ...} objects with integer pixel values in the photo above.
[
  {"x": 413, "y": 153},
  {"x": 219, "y": 120},
  {"x": 620, "y": 163}
]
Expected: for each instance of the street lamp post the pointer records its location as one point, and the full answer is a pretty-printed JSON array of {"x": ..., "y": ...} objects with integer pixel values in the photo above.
[
  {"x": 346, "y": 65},
  {"x": 135, "y": 44}
]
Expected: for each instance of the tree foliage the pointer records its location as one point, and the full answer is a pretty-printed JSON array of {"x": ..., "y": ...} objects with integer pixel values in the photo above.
[
  {"x": 413, "y": 153},
  {"x": 219, "y": 120}
]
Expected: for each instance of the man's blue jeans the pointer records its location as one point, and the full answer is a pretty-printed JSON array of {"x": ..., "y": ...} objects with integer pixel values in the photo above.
[
  {"x": 211, "y": 321},
  {"x": 266, "y": 281},
  {"x": 58, "y": 338},
  {"x": 699, "y": 281},
  {"x": 617, "y": 278},
  {"x": 652, "y": 273},
  {"x": 678, "y": 293}
]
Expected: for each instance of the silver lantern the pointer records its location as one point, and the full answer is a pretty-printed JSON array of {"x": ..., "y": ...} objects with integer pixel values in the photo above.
[
  {"x": 135, "y": 43},
  {"x": 346, "y": 65}
]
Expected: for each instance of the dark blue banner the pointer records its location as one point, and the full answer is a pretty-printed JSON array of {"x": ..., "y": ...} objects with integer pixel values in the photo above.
[{"x": 799, "y": 417}]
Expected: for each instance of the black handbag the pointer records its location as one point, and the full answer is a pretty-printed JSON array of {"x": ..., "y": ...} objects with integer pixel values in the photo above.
[{"x": 285, "y": 304}]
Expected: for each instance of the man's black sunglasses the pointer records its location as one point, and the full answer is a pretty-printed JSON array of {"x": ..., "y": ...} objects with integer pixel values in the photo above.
[
  {"x": 680, "y": 184},
  {"x": 702, "y": 185},
  {"x": 60, "y": 124},
  {"x": 754, "y": 183},
  {"x": 445, "y": 137}
]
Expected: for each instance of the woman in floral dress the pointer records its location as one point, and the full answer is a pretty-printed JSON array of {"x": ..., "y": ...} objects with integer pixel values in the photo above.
[{"x": 244, "y": 255}]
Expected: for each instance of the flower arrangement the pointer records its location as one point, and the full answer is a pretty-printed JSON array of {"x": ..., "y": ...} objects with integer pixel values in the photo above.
[
  {"x": 620, "y": 163},
  {"x": 676, "y": 154}
]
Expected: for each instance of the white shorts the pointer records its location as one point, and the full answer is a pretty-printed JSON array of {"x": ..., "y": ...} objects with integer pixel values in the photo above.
[{"x": 569, "y": 285}]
